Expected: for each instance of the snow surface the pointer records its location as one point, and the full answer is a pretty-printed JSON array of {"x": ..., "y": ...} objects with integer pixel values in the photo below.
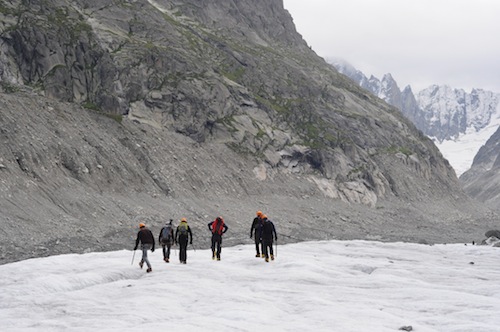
[
  {"x": 311, "y": 286},
  {"x": 461, "y": 151}
]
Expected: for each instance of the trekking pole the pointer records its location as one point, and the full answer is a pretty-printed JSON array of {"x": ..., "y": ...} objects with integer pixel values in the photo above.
[
  {"x": 276, "y": 248},
  {"x": 133, "y": 256}
]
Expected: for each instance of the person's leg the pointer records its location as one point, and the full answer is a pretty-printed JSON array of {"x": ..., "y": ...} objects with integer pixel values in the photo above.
[
  {"x": 214, "y": 242},
  {"x": 145, "y": 248},
  {"x": 219, "y": 247},
  {"x": 183, "y": 249},
  {"x": 257, "y": 246},
  {"x": 164, "y": 251},
  {"x": 169, "y": 245}
]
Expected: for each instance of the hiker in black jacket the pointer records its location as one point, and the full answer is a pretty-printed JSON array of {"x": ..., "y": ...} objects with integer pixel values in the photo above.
[
  {"x": 182, "y": 234},
  {"x": 217, "y": 227},
  {"x": 147, "y": 242},
  {"x": 268, "y": 231},
  {"x": 256, "y": 230},
  {"x": 166, "y": 239}
]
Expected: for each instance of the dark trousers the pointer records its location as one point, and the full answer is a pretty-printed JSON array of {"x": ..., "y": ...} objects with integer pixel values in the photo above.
[
  {"x": 183, "y": 244},
  {"x": 258, "y": 243},
  {"x": 216, "y": 245},
  {"x": 166, "y": 249},
  {"x": 267, "y": 247}
]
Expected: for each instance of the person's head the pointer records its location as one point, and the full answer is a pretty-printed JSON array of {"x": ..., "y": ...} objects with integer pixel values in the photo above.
[
  {"x": 264, "y": 217},
  {"x": 170, "y": 222},
  {"x": 183, "y": 220},
  {"x": 219, "y": 219},
  {"x": 142, "y": 225},
  {"x": 259, "y": 214}
]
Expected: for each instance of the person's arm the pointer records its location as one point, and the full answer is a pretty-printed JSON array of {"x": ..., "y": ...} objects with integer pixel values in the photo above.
[
  {"x": 137, "y": 242},
  {"x": 152, "y": 238},
  {"x": 225, "y": 229},
  {"x": 274, "y": 231},
  {"x": 159, "y": 235},
  {"x": 176, "y": 234},
  {"x": 210, "y": 225},
  {"x": 190, "y": 234},
  {"x": 252, "y": 228}
]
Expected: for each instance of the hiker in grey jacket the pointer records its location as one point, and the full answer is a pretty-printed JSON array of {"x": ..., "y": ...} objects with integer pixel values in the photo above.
[{"x": 166, "y": 239}]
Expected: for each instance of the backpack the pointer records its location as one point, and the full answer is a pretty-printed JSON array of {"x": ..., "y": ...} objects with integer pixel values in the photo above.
[
  {"x": 218, "y": 226},
  {"x": 183, "y": 229},
  {"x": 166, "y": 233}
]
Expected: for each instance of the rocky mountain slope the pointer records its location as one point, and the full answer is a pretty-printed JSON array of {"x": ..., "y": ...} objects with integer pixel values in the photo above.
[
  {"x": 482, "y": 181},
  {"x": 113, "y": 112}
]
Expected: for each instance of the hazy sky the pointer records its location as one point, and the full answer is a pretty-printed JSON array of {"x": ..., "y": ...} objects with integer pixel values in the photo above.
[{"x": 420, "y": 42}]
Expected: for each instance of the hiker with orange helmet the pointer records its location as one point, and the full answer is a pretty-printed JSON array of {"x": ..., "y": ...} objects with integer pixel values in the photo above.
[
  {"x": 256, "y": 228},
  {"x": 268, "y": 230},
  {"x": 147, "y": 240},
  {"x": 217, "y": 227},
  {"x": 182, "y": 234}
]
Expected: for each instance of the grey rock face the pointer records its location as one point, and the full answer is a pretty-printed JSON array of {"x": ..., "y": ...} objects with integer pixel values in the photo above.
[
  {"x": 482, "y": 181},
  {"x": 119, "y": 112}
]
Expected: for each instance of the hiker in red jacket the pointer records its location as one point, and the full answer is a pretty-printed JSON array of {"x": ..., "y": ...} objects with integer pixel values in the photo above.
[
  {"x": 217, "y": 227},
  {"x": 145, "y": 236}
]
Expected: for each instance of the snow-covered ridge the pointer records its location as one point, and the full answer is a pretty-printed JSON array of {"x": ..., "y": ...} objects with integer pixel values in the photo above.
[{"x": 459, "y": 122}]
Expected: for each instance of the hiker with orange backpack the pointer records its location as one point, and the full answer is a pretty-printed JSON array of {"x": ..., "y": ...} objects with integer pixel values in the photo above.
[
  {"x": 145, "y": 236},
  {"x": 217, "y": 227}
]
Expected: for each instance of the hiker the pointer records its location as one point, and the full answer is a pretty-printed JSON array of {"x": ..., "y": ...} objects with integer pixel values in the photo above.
[
  {"x": 147, "y": 243},
  {"x": 217, "y": 227},
  {"x": 166, "y": 238},
  {"x": 267, "y": 232},
  {"x": 256, "y": 230},
  {"x": 181, "y": 237}
]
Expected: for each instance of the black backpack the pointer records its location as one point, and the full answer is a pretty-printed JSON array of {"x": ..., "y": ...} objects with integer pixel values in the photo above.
[{"x": 166, "y": 233}]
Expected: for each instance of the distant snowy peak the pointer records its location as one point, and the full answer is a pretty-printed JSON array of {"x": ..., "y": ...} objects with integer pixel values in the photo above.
[
  {"x": 440, "y": 111},
  {"x": 453, "y": 112},
  {"x": 459, "y": 122}
]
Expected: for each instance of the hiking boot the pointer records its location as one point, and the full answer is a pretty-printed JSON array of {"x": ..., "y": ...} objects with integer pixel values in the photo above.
[
  {"x": 141, "y": 263},
  {"x": 213, "y": 256},
  {"x": 272, "y": 257},
  {"x": 263, "y": 255},
  {"x": 267, "y": 259},
  {"x": 258, "y": 255},
  {"x": 218, "y": 258},
  {"x": 166, "y": 260},
  {"x": 149, "y": 270}
]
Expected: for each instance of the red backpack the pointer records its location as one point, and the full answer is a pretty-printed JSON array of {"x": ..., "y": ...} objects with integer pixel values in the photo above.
[{"x": 218, "y": 226}]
